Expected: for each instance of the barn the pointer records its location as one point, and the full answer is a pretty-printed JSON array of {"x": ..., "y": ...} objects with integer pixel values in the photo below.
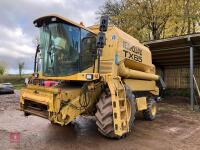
[{"x": 177, "y": 60}]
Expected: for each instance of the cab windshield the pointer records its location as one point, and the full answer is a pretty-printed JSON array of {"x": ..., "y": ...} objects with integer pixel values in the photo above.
[{"x": 66, "y": 49}]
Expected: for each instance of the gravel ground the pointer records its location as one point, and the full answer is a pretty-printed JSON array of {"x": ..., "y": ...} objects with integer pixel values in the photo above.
[{"x": 176, "y": 128}]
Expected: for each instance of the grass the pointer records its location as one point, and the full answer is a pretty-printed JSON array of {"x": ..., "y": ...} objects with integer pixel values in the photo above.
[{"x": 16, "y": 80}]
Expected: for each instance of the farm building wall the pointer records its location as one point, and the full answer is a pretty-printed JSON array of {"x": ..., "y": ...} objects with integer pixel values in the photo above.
[{"x": 178, "y": 77}]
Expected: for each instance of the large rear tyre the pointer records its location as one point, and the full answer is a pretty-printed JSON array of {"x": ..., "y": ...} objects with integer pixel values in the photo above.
[
  {"x": 151, "y": 111},
  {"x": 104, "y": 115}
]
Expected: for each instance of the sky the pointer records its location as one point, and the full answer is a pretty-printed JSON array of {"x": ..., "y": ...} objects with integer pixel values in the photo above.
[{"x": 18, "y": 34}]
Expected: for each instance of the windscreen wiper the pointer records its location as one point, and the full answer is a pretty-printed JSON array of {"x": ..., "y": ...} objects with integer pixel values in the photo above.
[{"x": 50, "y": 52}]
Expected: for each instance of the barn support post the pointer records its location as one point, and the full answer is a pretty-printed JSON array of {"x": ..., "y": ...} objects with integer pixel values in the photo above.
[{"x": 191, "y": 77}]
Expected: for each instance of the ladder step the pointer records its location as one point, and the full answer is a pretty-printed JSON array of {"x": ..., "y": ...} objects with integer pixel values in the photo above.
[
  {"x": 119, "y": 89},
  {"x": 122, "y": 109},
  {"x": 121, "y": 99},
  {"x": 124, "y": 124}
]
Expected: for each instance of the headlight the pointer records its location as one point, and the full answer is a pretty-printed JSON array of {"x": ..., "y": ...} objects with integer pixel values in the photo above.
[{"x": 89, "y": 76}]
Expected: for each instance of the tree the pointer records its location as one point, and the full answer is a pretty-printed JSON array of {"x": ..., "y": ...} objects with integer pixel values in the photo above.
[
  {"x": 21, "y": 67},
  {"x": 139, "y": 17},
  {"x": 188, "y": 15},
  {"x": 113, "y": 8},
  {"x": 153, "y": 19},
  {"x": 2, "y": 69}
]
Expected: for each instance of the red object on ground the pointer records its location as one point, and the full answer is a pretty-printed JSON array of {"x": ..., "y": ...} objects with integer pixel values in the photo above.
[
  {"x": 50, "y": 83},
  {"x": 14, "y": 137}
]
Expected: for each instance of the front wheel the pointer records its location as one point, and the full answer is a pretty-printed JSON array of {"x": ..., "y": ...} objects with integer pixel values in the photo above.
[
  {"x": 151, "y": 111},
  {"x": 104, "y": 114}
]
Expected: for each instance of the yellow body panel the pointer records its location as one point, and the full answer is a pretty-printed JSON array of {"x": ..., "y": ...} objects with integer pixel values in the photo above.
[
  {"x": 141, "y": 103},
  {"x": 135, "y": 55},
  {"x": 63, "y": 106},
  {"x": 77, "y": 77},
  {"x": 140, "y": 85}
]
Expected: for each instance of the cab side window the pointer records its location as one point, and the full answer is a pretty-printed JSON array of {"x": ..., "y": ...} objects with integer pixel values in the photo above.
[{"x": 88, "y": 49}]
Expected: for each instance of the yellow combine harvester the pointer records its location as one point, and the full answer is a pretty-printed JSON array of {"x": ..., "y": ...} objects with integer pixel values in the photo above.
[{"x": 99, "y": 70}]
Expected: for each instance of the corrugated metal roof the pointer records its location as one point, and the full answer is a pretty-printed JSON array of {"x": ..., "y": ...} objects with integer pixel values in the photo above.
[{"x": 175, "y": 51}]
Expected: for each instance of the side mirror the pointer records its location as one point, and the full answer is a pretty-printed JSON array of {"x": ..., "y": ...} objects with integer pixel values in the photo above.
[
  {"x": 103, "y": 24},
  {"x": 101, "y": 40}
]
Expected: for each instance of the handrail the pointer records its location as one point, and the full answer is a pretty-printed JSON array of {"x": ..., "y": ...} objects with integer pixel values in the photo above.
[{"x": 196, "y": 85}]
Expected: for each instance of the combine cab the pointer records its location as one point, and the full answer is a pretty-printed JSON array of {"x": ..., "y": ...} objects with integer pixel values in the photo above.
[{"x": 99, "y": 71}]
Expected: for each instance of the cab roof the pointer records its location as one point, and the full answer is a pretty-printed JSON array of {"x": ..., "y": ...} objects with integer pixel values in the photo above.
[{"x": 54, "y": 18}]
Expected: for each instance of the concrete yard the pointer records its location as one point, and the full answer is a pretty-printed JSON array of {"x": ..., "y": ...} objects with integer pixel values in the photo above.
[{"x": 176, "y": 128}]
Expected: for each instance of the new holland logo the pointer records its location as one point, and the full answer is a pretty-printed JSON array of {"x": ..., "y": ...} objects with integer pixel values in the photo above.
[{"x": 133, "y": 53}]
